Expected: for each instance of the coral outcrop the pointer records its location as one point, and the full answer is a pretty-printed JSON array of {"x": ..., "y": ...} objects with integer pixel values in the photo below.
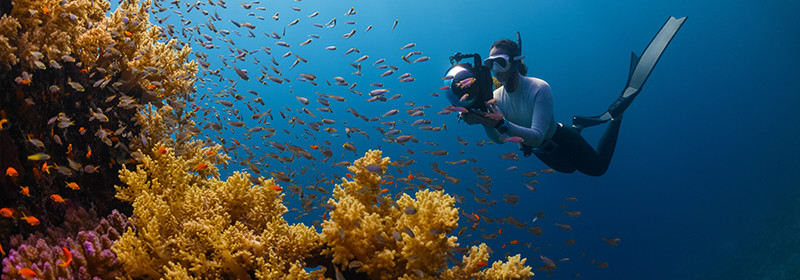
[
  {"x": 371, "y": 233},
  {"x": 189, "y": 223},
  {"x": 90, "y": 250}
]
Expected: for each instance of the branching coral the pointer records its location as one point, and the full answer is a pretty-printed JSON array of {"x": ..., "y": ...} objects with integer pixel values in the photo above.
[
  {"x": 46, "y": 26},
  {"x": 403, "y": 239},
  {"x": 90, "y": 250},
  {"x": 124, "y": 46},
  {"x": 513, "y": 268},
  {"x": 125, "y": 43},
  {"x": 191, "y": 224}
]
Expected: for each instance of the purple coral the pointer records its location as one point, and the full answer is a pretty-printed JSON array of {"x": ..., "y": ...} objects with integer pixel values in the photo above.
[{"x": 92, "y": 257}]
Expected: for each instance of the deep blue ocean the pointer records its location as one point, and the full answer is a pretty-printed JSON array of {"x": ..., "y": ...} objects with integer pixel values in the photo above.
[{"x": 703, "y": 183}]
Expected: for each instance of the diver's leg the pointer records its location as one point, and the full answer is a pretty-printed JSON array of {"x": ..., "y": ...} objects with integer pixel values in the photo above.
[
  {"x": 563, "y": 158},
  {"x": 574, "y": 153},
  {"x": 605, "y": 149}
]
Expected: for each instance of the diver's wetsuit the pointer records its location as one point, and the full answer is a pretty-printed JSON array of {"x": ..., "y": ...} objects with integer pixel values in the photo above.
[{"x": 529, "y": 115}]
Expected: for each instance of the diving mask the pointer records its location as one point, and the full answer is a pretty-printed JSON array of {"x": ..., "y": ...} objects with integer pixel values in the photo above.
[{"x": 500, "y": 62}]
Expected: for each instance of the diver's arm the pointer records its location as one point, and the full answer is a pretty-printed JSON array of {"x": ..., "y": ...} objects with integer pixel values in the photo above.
[
  {"x": 493, "y": 134},
  {"x": 477, "y": 117},
  {"x": 540, "y": 122}
]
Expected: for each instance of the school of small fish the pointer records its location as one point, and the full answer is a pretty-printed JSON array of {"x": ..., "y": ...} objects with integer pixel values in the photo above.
[{"x": 244, "y": 123}]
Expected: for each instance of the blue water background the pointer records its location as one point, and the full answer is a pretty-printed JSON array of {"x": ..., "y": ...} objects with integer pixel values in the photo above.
[{"x": 703, "y": 184}]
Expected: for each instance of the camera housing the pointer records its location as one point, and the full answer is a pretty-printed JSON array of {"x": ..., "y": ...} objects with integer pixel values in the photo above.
[{"x": 478, "y": 92}]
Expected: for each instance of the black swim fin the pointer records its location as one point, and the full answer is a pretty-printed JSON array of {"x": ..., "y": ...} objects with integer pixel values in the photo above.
[{"x": 641, "y": 67}]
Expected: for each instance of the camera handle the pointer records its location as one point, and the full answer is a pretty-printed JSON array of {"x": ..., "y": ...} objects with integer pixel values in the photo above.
[{"x": 459, "y": 56}]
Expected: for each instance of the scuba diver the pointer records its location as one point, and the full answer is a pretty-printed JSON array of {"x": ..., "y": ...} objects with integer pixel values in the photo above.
[{"x": 521, "y": 109}]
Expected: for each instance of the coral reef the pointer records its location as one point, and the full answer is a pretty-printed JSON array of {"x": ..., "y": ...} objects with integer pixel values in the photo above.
[
  {"x": 71, "y": 82},
  {"x": 124, "y": 46},
  {"x": 48, "y": 26},
  {"x": 404, "y": 239},
  {"x": 60, "y": 59},
  {"x": 189, "y": 223},
  {"x": 90, "y": 250}
]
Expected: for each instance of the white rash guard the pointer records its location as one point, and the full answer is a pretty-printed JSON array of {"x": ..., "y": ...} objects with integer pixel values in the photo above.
[{"x": 528, "y": 112}]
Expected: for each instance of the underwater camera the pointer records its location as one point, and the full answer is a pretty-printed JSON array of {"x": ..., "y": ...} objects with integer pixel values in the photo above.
[{"x": 471, "y": 84}]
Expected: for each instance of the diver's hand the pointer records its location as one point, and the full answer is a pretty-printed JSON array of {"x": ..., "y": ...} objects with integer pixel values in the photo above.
[{"x": 472, "y": 117}]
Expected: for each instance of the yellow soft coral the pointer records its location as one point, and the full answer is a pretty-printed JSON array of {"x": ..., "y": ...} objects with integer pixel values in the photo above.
[
  {"x": 49, "y": 27},
  {"x": 8, "y": 30},
  {"x": 126, "y": 42},
  {"x": 403, "y": 239},
  {"x": 125, "y": 46},
  {"x": 513, "y": 268},
  {"x": 190, "y": 224}
]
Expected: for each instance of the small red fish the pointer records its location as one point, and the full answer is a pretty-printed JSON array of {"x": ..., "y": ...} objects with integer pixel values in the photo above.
[
  {"x": 67, "y": 258},
  {"x": 73, "y": 185},
  {"x": 27, "y": 272},
  {"x": 11, "y": 172},
  {"x": 7, "y": 212},
  {"x": 200, "y": 166},
  {"x": 25, "y": 191},
  {"x": 276, "y": 188},
  {"x": 162, "y": 150},
  {"x": 57, "y": 198},
  {"x": 31, "y": 220}
]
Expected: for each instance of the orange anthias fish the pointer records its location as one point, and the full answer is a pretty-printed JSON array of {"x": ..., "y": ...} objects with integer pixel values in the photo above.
[
  {"x": 276, "y": 188},
  {"x": 58, "y": 198},
  {"x": 162, "y": 150},
  {"x": 7, "y": 212},
  {"x": 73, "y": 185},
  {"x": 201, "y": 166},
  {"x": 67, "y": 258},
  {"x": 11, "y": 172},
  {"x": 25, "y": 191},
  {"x": 27, "y": 272},
  {"x": 31, "y": 220}
]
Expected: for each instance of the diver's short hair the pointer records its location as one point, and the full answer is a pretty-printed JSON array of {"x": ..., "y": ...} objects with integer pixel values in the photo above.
[{"x": 513, "y": 51}]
